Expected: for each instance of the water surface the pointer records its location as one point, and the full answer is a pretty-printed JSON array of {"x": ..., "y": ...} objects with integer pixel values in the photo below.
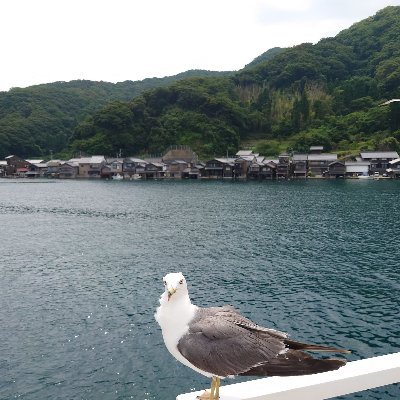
[{"x": 81, "y": 266}]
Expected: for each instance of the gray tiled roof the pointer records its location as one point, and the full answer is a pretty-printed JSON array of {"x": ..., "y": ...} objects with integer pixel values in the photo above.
[
  {"x": 322, "y": 157},
  {"x": 379, "y": 154},
  {"x": 357, "y": 163},
  {"x": 136, "y": 160},
  {"x": 245, "y": 153},
  {"x": 300, "y": 157},
  {"x": 246, "y": 158},
  {"x": 226, "y": 160}
]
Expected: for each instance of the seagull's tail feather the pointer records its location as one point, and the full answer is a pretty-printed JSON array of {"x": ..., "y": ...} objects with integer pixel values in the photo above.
[
  {"x": 291, "y": 344},
  {"x": 294, "y": 363}
]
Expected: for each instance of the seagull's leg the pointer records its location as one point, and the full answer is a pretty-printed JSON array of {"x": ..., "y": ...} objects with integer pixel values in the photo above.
[
  {"x": 209, "y": 395},
  {"x": 217, "y": 385},
  {"x": 213, "y": 384}
]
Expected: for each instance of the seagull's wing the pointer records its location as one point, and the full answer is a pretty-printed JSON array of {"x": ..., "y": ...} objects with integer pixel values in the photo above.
[{"x": 222, "y": 342}]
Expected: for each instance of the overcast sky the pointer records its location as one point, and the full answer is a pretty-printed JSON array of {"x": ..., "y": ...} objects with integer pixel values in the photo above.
[{"x": 115, "y": 40}]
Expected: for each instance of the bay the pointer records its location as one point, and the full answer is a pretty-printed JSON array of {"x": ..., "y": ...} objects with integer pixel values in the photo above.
[{"x": 81, "y": 267}]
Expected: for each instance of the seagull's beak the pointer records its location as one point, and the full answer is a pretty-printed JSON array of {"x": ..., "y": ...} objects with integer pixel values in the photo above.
[{"x": 171, "y": 290}]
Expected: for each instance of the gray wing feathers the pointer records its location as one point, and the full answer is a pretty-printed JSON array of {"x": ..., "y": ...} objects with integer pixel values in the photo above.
[{"x": 223, "y": 342}]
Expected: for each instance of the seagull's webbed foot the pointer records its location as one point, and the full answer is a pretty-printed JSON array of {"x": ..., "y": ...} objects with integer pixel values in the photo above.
[
  {"x": 213, "y": 394},
  {"x": 205, "y": 396}
]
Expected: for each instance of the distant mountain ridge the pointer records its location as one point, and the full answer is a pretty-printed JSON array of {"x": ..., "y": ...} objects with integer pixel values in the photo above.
[
  {"x": 128, "y": 89},
  {"x": 285, "y": 99},
  {"x": 266, "y": 56}
]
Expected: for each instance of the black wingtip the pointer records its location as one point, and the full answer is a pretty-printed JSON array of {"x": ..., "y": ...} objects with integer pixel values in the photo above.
[
  {"x": 293, "y": 345},
  {"x": 292, "y": 367}
]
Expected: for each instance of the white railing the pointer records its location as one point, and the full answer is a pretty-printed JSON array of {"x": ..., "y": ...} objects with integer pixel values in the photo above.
[{"x": 355, "y": 376}]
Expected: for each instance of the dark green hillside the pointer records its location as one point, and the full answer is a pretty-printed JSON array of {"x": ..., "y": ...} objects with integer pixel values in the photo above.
[
  {"x": 41, "y": 118},
  {"x": 362, "y": 50},
  {"x": 202, "y": 113},
  {"x": 268, "y": 55},
  {"x": 328, "y": 93},
  {"x": 375, "y": 42}
]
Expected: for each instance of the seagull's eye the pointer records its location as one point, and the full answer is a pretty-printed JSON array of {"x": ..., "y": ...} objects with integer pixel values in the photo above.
[
  {"x": 165, "y": 283},
  {"x": 181, "y": 281}
]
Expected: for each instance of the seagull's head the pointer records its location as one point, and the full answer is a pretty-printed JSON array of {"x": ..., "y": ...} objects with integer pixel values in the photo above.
[{"x": 175, "y": 285}]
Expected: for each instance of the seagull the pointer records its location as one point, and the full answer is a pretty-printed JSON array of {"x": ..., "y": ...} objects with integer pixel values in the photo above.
[
  {"x": 218, "y": 342},
  {"x": 390, "y": 102}
]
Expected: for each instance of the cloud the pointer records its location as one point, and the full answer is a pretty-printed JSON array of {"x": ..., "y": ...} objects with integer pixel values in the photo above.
[
  {"x": 272, "y": 12},
  {"x": 116, "y": 40},
  {"x": 293, "y": 22}
]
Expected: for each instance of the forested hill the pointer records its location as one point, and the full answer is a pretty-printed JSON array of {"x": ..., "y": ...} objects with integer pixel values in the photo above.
[
  {"x": 328, "y": 93},
  {"x": 41, "y": 118},
  {"x": 268, "y": 55}
]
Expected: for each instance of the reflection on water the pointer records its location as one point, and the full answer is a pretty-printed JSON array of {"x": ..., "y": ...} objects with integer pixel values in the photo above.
[{"x": 81, "y": 266}]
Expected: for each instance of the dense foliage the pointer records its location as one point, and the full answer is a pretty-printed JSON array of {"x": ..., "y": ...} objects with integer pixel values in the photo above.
[
  {"x": 202, "y": 113},
  {"x": 328, "y": 93},
  {"x": 268, "y": 55},
  {"x": 42, "y": 118}
]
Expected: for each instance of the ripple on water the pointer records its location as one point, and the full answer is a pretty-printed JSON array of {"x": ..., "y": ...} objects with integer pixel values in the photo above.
[{"x": 82, "y": 263}]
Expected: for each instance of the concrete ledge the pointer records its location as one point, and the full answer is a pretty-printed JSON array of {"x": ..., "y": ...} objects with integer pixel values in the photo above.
[{"x": 355, "y": 376}]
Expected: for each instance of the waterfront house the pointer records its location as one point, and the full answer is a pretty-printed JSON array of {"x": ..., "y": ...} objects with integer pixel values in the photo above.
[
  {"x": 132, "y": 166},
  {"x": 379, "y": 160},
  {"x": 89, "y": 167},
  {"x": 68, "y": 170},
  {"x": 268, "y": 169},
  {"x": 394, "y": 168},
  {"x": 175, "y": 168},
  {"x": 193, "y": 172},
  {"x": 255, "y": 169},
  {"x": 242, "y": 166},
  {"x": 180, "y": 162},
  {"x": 336, "y": 169},
  {"x": 244, "y": 159},
  {"x": 262, "y": 168},
  {"x": 283, "y": 168},
  {"x": 37, "y": 168},
  {"x": 357, "y": 168},
  {"x": 115, "y": 166},
  {"x": 16, "y": 166},
  {"x": 153, "y": 170},
  {"x": 140, "y": 168},
  {"x": 220, "y": 168},
  {"x": 106, "y": 171},
  {"x": 300, "y": 165},
  {"x": 318, "y": 164},
  {"x": 3, "y": 165},
  {"x": 39, "y": 171},
  {"x": 53, "y": 168}
]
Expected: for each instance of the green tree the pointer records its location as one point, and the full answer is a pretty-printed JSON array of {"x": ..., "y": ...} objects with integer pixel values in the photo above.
[{"x": 394, "y": 116}]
